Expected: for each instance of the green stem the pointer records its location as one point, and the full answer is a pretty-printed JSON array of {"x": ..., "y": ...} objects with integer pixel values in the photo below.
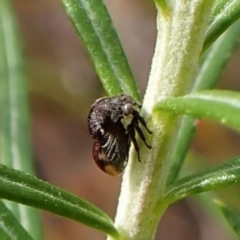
[{"x": 181, "y": 27}]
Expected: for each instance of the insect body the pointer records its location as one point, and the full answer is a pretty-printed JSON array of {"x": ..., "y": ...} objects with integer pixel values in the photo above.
[{"x": 112, "y": 122}]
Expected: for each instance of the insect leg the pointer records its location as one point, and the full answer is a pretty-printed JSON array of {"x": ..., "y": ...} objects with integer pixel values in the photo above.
[
  {"x": 138, "y": 129},
  {"x": 141, "y": 135},
  {"x": 141, "y": 120},
  {"x": 131, "y": 133}
]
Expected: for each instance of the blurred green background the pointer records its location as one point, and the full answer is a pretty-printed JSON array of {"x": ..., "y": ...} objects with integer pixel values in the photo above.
[{"x": 62, "y": 87}]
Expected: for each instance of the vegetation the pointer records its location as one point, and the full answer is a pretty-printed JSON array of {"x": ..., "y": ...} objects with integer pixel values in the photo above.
[{"x": 195, "y": 41}]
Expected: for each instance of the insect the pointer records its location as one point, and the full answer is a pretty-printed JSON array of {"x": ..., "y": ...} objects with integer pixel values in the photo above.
[{"x": 112, "y": 122}]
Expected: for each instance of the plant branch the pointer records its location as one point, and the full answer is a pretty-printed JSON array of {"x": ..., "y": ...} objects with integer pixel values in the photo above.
[{"x": 181, "y": 28}]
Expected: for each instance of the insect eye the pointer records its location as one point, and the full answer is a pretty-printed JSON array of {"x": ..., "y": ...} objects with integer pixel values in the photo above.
[{"x": 128, "y": 108}]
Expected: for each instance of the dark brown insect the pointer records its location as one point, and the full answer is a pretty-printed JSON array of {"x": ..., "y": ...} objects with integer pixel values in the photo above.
[{"x": 112, "y": 122}]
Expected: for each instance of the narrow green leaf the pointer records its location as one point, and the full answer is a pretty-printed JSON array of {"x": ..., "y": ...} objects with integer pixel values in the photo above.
[
  {"x": 212, "y": 65},
  {"x": 15, "y": 134},
  {"x": 224, "y": 14},
  {"x": 28, "y": 190},
  {"x": 206, "y": 202},
  {"x": 95, "y": 28},
  {"x": 217, "y": 57},
  {"x": 163, "y": 6},
  {"x": 4, "y": 235},
  {"x": 14, "y": 118},
  {"x": 183, "y": 142},
  {"x": 216, "y": 177},
  {"x": 218, "y": 7},
  {"x": 219, "y": 105},
  {"x": 231, "y": 215},
  {"x": 9, "y": 226}
]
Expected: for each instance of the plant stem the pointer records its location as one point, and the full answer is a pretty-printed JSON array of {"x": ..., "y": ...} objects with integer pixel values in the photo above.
[{"x": 181, "y": 28}]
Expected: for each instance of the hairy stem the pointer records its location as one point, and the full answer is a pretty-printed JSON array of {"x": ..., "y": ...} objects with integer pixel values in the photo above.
[{"x": 181, "y": 28}]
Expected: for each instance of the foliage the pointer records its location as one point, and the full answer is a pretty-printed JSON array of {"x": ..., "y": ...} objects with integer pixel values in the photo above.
[{"x": 184, "y": 34}]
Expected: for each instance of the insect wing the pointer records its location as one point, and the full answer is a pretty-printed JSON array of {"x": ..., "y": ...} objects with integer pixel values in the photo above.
[{"x": 110, "y": 152}]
